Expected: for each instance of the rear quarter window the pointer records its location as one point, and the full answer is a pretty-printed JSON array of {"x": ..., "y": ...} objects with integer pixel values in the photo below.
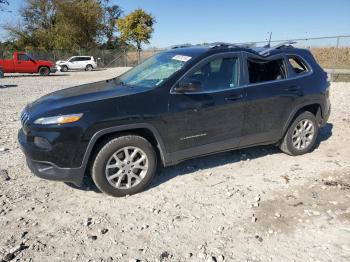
[
  {"x": 266, "y": 71},
  {"x": 298, "y": 65}
]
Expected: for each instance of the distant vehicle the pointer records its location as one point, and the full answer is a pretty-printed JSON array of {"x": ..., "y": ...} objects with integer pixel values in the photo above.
[
  {"x": 177, "y": 105},
  {"x": 22, "y": 62},
  {"x": 87, "y": 63}
]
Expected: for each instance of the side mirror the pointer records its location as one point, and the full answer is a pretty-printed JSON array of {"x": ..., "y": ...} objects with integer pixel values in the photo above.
[{"x": 188, "y": 86}]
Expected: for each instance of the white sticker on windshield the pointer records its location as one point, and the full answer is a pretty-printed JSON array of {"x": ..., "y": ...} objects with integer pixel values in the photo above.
[{"x": 182, "y": 58}]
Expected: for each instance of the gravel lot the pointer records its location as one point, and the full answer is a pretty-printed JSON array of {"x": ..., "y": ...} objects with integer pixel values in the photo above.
[{"x": 255, "y": 204}]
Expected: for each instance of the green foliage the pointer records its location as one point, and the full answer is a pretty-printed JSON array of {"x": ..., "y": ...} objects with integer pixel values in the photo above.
[
  {"x": 65, "y": 24},
  {"x": 137, "y": 27}
]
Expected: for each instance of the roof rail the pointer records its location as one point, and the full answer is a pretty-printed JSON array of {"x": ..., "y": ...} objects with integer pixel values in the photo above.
[
  {"x": 223, "y": 44},
  {"x": 180, "y": 46},
  {"x": 268, "y": 50}
]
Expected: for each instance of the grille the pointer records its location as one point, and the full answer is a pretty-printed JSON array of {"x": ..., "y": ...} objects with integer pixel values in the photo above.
[{"x": 24, "y": 117}]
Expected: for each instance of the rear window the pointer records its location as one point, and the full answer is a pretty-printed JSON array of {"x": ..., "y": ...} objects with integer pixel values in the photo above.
[
  {"x": 23, "y": 57},
  {"x": 264, "y": 71},
  {"x": 298, "y": 65}
]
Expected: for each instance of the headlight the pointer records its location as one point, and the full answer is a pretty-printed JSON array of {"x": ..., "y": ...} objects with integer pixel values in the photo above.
[{"x": 64, "y": 119}]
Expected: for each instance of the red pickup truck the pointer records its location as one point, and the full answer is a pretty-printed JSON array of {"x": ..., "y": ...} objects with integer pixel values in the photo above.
[{"x": 24, "y": 63}]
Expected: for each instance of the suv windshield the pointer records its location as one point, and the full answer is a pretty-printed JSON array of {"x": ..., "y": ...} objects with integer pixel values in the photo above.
[{"x": 154, "y": 70}]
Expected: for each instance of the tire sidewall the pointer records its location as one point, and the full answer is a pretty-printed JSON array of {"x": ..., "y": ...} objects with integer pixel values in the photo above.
[
  {"x": 291, "y": 148},
  {"x": 64, "y": 68},
  {"x": 102, "y": 157},
  {"x": 44, "y": 71},
  {"x": 88, "y": 68}
]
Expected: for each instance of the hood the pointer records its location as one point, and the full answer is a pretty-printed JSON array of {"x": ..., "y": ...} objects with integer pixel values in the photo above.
[
  {"x": 45, "y": 62},
  {"x": 60, "y": 62},
  {"x": 80, "y": 95}
]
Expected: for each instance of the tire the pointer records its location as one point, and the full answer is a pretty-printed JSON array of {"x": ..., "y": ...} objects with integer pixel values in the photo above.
[
  {"x": 297, "y": 140},
  {"x": 1, "y": 73},
  {"x": 44, "y": 71},
  {"x": 107, "y": 156},
  {"x": 89, "y": 68},
  {"x": 64, "y": 68}
]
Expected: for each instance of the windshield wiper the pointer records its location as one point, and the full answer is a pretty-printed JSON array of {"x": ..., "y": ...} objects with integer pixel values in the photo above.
[{"x": 123, "y": 84}]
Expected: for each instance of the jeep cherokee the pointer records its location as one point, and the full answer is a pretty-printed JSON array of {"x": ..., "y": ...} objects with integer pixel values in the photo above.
[{"x": 179, "y": 104}]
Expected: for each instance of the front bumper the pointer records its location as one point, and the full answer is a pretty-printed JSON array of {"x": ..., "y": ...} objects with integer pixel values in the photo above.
[
  {"x": 49, "y": 171},
  {"x": 35, "y": 158}
]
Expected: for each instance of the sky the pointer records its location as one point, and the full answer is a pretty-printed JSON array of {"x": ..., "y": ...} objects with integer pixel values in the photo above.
[{"x": 235, "y": 21}]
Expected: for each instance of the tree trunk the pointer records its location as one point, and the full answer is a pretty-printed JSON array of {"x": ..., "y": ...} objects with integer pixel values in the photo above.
[{"x": 138, "y": 53}]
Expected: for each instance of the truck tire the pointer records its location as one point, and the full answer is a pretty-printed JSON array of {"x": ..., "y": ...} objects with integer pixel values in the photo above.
[
  {"x": 1, "y": 73},
  {"x": 44, "y": 71},
  {"x": 124, "y": 165},
  {"x": 301, "y": 136}
]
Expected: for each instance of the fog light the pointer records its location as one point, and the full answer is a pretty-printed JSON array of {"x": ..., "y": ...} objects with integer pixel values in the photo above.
[{"x": 42, "y": 143}]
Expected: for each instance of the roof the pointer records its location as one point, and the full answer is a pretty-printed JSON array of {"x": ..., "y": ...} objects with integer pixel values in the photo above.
[{"x": 218, "y": 47}]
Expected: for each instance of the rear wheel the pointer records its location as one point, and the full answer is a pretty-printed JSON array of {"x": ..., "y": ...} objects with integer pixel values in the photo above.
[
  {"x": 44, "y": 71},
  {"x": 88, "y": 68},
  {"x": 301, "y": 135},
  {"x": 124, "y": 166}
]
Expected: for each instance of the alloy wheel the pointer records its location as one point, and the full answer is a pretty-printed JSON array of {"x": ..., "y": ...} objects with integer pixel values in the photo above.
[
  {"x": 127, "y": 167},
  {"x": 303, "y": 134}
]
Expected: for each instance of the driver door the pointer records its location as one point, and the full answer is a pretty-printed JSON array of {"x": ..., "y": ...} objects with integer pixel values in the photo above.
[
  {"x": 24, "y": 64},
  {"x": 209, "y": 119},
  {"x": 73, "y": 63}
]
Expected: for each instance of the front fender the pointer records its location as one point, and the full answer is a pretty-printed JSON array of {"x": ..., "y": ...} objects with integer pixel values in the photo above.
[{"x": 124, "y": 128}]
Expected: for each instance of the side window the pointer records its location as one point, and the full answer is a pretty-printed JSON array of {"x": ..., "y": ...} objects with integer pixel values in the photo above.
[
  {"x": 220, "y": 73},
  {"x": 298, "y": 65},
  {"x": 263, "y": 71},
  {"x": 73, "y": 59},
  {"x": 23, "y": 57}
]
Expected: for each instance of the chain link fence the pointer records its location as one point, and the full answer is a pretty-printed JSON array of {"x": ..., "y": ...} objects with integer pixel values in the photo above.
[
  {"x": 104, "y": 57},
  {"x": 332, "y": 53}
]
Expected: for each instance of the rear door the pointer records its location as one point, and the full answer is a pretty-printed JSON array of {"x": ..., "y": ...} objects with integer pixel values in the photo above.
[
  {"x": 211, "y": 118},
  {"x": 271, "y": 95}
]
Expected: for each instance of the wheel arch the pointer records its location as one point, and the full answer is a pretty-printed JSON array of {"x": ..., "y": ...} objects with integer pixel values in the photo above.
[
  {"x": 146, "y": 131},
  {"x": 41, "y": 66},
  {"x": 313, "y": 107}
]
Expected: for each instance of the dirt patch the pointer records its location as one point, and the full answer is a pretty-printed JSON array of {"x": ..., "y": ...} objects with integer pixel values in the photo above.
[{"x": 256, "y": 204}]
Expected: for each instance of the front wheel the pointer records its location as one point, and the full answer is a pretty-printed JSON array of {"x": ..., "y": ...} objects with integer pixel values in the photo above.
[
  {"x": 64, "y": 68},
  {"x": 124, "y": 166},
  {"x": 44, "y": 71},
  {"x": 301, "y": 135}
]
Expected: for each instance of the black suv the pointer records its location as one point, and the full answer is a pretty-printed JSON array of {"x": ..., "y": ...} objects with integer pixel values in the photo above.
[{"x": 179, "y": 104}]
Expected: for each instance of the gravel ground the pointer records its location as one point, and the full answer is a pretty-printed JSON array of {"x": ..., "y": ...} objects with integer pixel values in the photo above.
[{"x": 255, "y": 204}]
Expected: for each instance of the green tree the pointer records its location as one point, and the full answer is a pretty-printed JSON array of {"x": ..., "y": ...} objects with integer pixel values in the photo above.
[
  {"x": 64, "y": 24},
  {"x": 111, "y": 14},
  {"x": 137, "y": 27},
  {"x": 79, "y": 23}
]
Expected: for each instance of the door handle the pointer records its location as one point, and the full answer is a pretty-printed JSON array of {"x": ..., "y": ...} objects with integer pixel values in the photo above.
[
  {"x": 234, "y": 97},
  {"x": 19, "y": 62}
]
